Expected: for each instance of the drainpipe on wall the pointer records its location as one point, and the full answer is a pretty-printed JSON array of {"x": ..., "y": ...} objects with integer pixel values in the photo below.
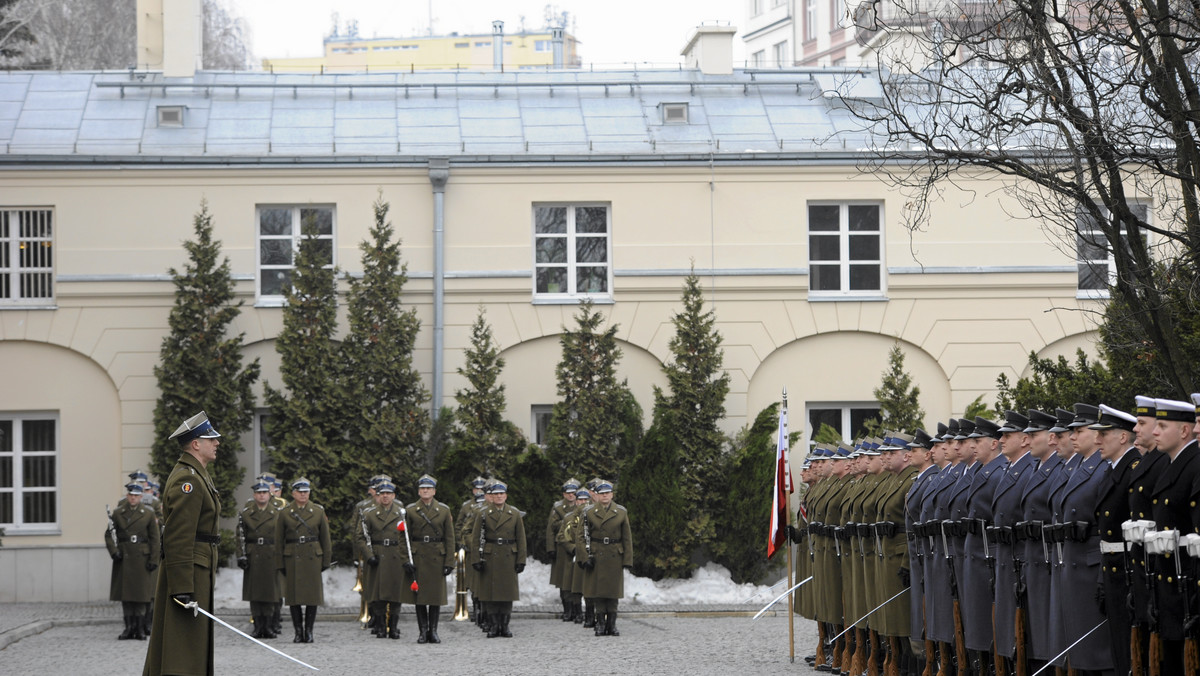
[{"x": 439, "y": 173}]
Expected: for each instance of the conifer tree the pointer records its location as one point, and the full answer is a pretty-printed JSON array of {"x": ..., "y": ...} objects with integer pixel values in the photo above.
[
  {"x": 200, "y": 364},
  {"x": 596, "y": 422},
  {"x": 306, "y": 428},
  {"x": 682, "y": 457},
  {"x": 483, "y": 441},
  {"x": 381, "y": 392},
  {"x": 899, "y": 405},
  {"x": 697, "y": 389}
]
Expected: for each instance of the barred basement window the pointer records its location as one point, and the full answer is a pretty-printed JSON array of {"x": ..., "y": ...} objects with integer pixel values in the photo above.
[
  {"x": 26, "y": 257},
  {"x": 28, "y": 472}
]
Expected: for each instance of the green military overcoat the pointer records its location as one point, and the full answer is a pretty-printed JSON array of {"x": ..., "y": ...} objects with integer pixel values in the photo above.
[
  {"x": 562, "y": 559},
  {"x": 302, "y": 552},
  {"x": 388, "y": 580},
  {"x": 572, "y": 523},
  {"x": 431, "y": 532},
  {"x": 895, "y": 618},
  {"x": 260, "y": 580},
  {"x": 137, "y": 538},
  {"x": 606, "y": 538},
  {"x": 181, "y": 642},
  {"x": 501, "y": 530}
]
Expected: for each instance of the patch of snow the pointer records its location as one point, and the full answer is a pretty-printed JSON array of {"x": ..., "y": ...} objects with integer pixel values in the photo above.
[{"x": 708, "y": 585}]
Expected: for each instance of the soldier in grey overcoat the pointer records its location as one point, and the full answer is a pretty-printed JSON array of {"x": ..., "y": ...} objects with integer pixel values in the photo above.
[
  {"x": 497, "y": 550},
  {"x": 256, "y": 558},
  {"x": 975, "y": 586},
  {"x": 132, "y": 540},
  {"x": 431, "y": 532},
  {"x": 606, "y": 538},
  {"x": 302, "y": 554}
]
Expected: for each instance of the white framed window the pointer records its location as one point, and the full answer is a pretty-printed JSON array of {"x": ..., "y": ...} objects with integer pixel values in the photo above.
[
  {"x": 1094, "y": 260},
  {"x": 542, "y": 45},
  {"x": 26, "y": 257},
  {"x": 571, "y": 251},
  {"x": 845, "y": 249},
  {"x": 539, "y": 422},
  {"x": 810, "y": 20},
  {"x": 756, "y": 7},
  {"x": 758, "y": 59},
  {"x": 280, "y": 230},
  {"x": 780, "y": 52},
  {"x": 839, "y": 17},
  {"x": 29, "y": 450},
  {"x": 848, "y": 419}
]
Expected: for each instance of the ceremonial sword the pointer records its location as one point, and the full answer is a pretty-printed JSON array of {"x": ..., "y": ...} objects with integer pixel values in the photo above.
[
  {"x": 781, "y": 596},
  {"x": 196, "y": 609},
  {"x": 851, "y": 626}
]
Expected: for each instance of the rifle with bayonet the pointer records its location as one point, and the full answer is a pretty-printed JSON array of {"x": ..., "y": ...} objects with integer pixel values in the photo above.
[{"x": 960, "y": 640}]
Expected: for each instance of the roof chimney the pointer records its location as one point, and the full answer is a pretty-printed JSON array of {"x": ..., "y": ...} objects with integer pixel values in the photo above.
[
  {"x": 711, "y": 50},
  {"x": 169, "y": 36},
  {"x": 498, "y": 45},
  {"x": 556, "y": 41}
]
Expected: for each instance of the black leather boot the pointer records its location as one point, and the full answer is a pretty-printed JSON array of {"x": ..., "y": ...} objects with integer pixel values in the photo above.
[
  {"x": 298, "y": 623},
  {"x": 422, "y": 624},
  {"x": 493, "y": 620},
  {"x": 435, "y": 613},
  {"x": 310, "y": 618},
  {"x": 393, "y": 615},
  {"x": 589, "y": 616},
  {"x": 277, "y": 620},
  {"x": 504, "y": 625},
  {"x": 610, "y": 623},
  {"x": 147, "y": 619},
  {"x": 257, "y": 621},
  {"x": 601, "y": 623},
  {"x": 128, "y": 633}
]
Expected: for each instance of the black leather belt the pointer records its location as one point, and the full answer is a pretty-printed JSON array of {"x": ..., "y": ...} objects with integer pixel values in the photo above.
[
  {"x": 502, "y": 541},
  {"x": 262, "y": 541},
  {"x": 300, "y": 540},
  {"x": 608, "y": 541},
  {"x": 430, "y": 538},
  {"x": 210, "y": 539},
  {"x": 389, "y": 543},
  {"x": 131, "y": 538}
]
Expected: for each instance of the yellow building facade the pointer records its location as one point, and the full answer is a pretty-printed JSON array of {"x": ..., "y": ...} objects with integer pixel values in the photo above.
[{"x": 522, "y": 51}]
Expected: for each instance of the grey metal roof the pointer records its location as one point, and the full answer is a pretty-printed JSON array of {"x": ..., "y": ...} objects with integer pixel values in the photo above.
[{"x": 255, "y": 117}]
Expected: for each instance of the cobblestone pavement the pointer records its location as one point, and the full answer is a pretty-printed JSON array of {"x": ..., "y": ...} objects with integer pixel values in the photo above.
[{"x": 82, "y": 639}]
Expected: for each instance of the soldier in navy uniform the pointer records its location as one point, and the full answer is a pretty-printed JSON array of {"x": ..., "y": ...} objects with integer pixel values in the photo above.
[
  {"x": 1112, "y": 509},
  {"x": 1037, "y": 527},
  {"x": 975, "y": 587},
  {"x": 921, "y": 459},
  {"x": 1076, "y": 573},
  {"x": 1006, "y": 513},
  {"x": 1141, "y": 484},
  {"x": 1171, "y": 499}
]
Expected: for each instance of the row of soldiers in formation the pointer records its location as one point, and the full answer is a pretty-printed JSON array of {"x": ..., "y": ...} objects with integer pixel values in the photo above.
[
  {"x": 403, "y": 555},
  {"x": 1066, "y": 541}
]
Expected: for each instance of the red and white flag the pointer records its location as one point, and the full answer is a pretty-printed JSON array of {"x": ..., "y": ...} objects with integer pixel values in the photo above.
[{"x": 777, "y": 538}]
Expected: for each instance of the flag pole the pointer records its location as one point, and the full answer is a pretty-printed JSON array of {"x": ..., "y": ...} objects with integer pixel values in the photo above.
[{"x": 788, "y": 522}]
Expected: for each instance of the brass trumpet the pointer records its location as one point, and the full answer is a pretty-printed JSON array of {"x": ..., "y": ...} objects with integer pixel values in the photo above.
[
  {"x": 460, "y": 587},
  {"x": 362, "y": 598}
]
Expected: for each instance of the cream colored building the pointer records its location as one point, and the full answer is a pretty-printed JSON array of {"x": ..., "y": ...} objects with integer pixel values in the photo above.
[
  {"x": 520, "y": 194},
  {"x": 525, "y": 50}
]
